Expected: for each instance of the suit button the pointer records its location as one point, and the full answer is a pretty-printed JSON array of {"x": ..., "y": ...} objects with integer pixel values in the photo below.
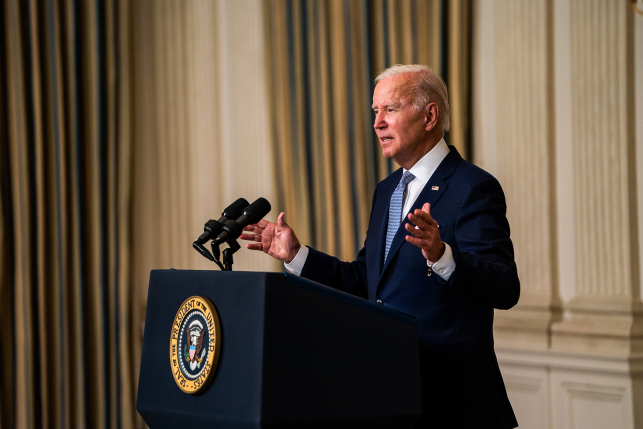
[{"x": 379, "y": 301}]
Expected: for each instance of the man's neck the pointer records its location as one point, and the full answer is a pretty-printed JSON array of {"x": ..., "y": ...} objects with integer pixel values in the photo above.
[{"x": 428, "y": 147}]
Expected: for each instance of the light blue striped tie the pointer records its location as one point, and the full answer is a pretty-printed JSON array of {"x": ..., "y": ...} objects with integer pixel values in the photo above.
[{"x": 395, "y": 210}]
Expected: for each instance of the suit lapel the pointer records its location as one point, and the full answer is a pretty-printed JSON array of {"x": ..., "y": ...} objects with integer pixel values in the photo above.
[{"x": 431, "y": 193}]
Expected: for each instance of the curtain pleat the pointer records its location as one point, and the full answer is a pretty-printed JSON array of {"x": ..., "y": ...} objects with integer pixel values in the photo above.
[
  {"x": 65, "y": 196},
  {"x": 127, "y": 325},
  {"x": 7, "y": 370},
  {"x": 458, "y": 58},
  {"x": 324, "y": 57}
]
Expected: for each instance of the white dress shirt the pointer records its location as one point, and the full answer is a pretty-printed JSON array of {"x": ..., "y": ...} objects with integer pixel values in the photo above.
[{"x": 422, "y": 170}]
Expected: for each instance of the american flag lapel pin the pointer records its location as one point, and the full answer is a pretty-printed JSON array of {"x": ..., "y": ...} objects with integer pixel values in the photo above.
[{"x": 435, "y": 188}]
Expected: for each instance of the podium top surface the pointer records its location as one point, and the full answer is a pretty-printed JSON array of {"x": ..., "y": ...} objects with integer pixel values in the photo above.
[
  {"x": 355, "y": 300},
  {"x": 316, "y": 287}
]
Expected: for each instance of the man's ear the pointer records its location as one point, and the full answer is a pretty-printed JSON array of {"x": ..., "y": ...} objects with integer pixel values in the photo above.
[{"x": 432, "y": 112}]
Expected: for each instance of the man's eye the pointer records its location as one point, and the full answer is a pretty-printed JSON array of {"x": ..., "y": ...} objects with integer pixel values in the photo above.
[{"x": 390, "y": 110}]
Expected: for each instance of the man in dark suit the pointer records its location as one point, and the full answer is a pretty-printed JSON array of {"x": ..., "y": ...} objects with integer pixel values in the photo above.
[{"x": 449, "y": 262}]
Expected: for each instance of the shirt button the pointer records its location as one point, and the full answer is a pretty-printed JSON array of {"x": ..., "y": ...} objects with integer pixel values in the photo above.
[{"x": 379, "y": 301}]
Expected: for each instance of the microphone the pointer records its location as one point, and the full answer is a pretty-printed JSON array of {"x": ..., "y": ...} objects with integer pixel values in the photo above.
[
  {"x": 202, "y": 250},
  {"x": 252, "y": 214},
  {"x": 213, "y": 227}
]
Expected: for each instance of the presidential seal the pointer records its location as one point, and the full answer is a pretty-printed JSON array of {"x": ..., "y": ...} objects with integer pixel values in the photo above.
[{"x": 195, "y": 343}]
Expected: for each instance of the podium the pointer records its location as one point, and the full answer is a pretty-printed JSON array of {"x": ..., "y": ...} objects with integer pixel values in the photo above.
[{"x": 293, "y": 354}]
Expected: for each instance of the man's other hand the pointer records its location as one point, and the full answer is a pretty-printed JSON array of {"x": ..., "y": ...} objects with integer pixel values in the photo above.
[
  {"x": 276, "y": 239},
  {"x": 427, "y": 235}
]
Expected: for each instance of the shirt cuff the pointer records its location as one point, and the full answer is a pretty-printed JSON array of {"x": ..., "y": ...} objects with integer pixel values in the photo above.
[
  {"x": 445, "y": 266},
  {"x": 297, "y": 264}
]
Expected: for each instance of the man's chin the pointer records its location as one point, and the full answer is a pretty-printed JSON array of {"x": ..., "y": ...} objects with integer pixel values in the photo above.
[{"x": 387, "y": 154}]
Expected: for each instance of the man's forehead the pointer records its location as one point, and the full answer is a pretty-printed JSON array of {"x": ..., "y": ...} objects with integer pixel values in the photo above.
[{"x": 391, "y": 91}]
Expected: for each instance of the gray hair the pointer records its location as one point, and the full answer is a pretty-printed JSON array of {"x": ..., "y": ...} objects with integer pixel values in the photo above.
[{"x": 427, "y": 87}]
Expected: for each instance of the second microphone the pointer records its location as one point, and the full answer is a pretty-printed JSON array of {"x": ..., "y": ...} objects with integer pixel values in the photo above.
[{"x": 232, "y": 229}]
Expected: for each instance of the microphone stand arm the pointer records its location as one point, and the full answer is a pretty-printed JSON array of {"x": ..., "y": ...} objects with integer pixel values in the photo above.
[
  {"x": 217, "y": 253},
  {"x": 227, "y": 254}
]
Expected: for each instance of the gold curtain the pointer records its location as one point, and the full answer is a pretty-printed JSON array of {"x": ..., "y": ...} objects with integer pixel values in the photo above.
[
  {"x": 323, "y": 58},
  {"x": 68, "y": 357}
]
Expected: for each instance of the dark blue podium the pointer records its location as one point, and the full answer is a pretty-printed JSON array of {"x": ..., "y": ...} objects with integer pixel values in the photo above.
[{"x": 294, "y": 354}]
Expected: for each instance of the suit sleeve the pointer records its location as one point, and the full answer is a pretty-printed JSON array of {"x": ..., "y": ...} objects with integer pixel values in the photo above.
[
  {"x": 349, "y": 277},
  {"x": 483, "y": 252}
]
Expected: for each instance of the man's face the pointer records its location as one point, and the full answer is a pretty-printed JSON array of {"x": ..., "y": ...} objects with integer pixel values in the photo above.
[{"x": 402, "y": 130}]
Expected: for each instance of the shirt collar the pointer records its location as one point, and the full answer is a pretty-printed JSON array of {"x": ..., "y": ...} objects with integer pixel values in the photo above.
[{"x": 426, "y": 166}]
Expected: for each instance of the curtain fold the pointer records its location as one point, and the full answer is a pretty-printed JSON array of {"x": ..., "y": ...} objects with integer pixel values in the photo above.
[
  {"x": 324, "y": 57},
  {"x": 65, "y": 198}
]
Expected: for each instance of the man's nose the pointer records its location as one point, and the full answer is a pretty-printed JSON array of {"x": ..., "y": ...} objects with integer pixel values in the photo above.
[{"x": 379, "y": 121}]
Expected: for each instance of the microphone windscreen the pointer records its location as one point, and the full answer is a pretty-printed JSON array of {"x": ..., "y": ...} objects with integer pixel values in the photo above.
[
  {"x": 257, "y": 210},
  {"x": 235, "y": 209}
]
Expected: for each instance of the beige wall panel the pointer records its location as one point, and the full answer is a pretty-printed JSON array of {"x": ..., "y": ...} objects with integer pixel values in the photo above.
[
  {"x": 600, "y": 144},
  {"x": 513, "y": 84},
  {"x": 524, "y": 140},
  {"x": 586, "y": 400},
  {"x": 528, "y": 391},
  {"x": 484, "y": 119},
  {"x": 565, "y": 165}
]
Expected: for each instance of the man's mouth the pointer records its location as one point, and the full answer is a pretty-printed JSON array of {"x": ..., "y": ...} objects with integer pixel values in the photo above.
[{"x": 385, "y": 139}]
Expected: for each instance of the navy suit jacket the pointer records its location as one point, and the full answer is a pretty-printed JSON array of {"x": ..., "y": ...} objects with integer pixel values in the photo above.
[{"x": 461, "y": 381}]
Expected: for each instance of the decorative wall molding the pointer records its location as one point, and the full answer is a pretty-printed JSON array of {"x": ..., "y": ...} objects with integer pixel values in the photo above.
[
  {"x": 605, "y": 311},
  {"x": 556, "y": 120},
  {"x": 550, "y": 389},
  {"x": 602, "y": 143},
  {"x": 528, "y": 392},
  {"x": 524, "y": 152},
  {"x": 582, "y": 401}
]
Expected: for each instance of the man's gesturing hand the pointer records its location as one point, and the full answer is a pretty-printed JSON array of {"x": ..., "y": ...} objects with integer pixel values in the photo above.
[
  {"x": 276, "y": 239},
  {"x": 427, "y": 235}
]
